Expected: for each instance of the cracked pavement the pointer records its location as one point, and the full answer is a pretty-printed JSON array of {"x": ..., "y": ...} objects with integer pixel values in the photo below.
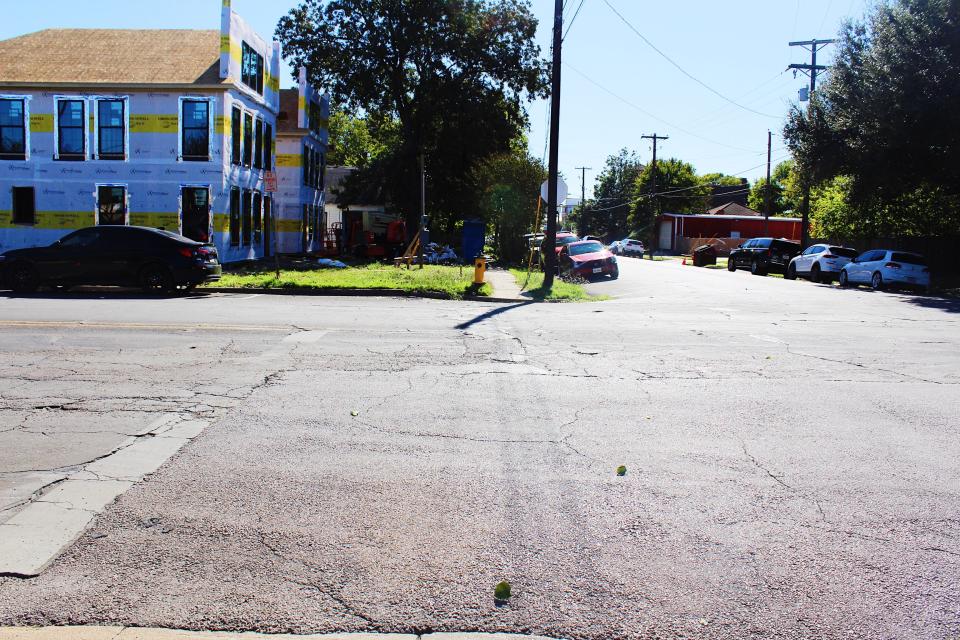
[{"x": 791, "y": 453}]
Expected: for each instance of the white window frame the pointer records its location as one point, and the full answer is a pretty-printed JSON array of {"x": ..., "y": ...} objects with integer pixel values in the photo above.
[
  {"x": 126, "y": 201},
  {"x": 86, "y": 125},
  {"x": 211, "y": 108},
  {"x": 26, "y": 124},
  {"x": 95, "y": 109}
]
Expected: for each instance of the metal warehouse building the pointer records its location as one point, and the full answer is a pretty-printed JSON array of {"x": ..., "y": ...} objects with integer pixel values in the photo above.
[{"x": 173, "y": 129}]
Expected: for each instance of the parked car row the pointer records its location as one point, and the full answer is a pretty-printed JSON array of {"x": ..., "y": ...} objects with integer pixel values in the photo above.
[
  {"x": 153, "y": 259},
  {"x": 583, "y": 258},
  {"x": 879, "y": 268},
  {"x": 627, "y": 247}
]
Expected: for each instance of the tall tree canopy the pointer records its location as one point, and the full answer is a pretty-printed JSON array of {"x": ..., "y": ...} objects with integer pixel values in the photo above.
[
  {"x": 509, "y": 186},
  {"x": 607, "y": 214},
  {"x": 453, "y": 73},
  {"x": 785, "y": 191},
  {"x": 680, "y": 191},
  {"x": 888, "y": 119}
]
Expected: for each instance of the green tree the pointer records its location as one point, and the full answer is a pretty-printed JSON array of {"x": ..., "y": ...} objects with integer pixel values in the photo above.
[
  {"x": 356, "y": 142},
  {"x": 509, "y": 188},
  {"x": 785, "y": 191},
  {"x": 607, "y": 214},
  {"x": 454, "y": 74},
  {"x": 888, "y": 120},
  {"x": 679, "y": 190}
]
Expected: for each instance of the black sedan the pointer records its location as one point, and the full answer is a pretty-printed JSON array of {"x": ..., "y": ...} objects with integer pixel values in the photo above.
[{"x": 113, "y": 255}]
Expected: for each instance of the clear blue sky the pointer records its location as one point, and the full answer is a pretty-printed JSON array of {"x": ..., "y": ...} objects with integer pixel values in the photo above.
[{"x": 738, "y": 48}]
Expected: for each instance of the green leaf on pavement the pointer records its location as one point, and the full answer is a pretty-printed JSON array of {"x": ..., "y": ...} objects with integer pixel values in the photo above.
[
  {"x": 354, "y": 413},
  {"x": 502, "y": 591},
  {"x": 621, "y": 470}
]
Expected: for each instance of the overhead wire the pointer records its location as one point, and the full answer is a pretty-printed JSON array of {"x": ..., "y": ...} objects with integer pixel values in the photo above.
[
  {"x": 648, "y": 196},
  {"x": 648, "y": 114},
  {"x": 572, "y": 20},
  {"x": 681, "y": 69}
]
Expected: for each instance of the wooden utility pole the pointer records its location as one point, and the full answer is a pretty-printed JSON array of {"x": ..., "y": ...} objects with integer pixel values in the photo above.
[
  {"x": 656, "y": 199},
  {"x": 767, "y": 190},
  {"x": 550, "y": 241},
  {"x": 583, "y": 187},
  {"x": 811, "y": 69}
]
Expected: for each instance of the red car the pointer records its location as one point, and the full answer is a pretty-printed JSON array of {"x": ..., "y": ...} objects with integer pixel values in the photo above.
[
  {"x": 588, "y": 259},
  {"x": 563, "y": 239}
]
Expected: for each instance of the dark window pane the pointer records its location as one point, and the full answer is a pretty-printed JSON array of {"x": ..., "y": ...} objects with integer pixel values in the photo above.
[
  {"x": 268, "y": 148},
  {"x": 247, "y": 139},
  {"x": 194, "y": 114},
  {"x": 111, "y": 202},
  {"x": 194, "y": 143},
  {"x": 12, "y": 140},
  {"x": 111, "y": 113},
  {"x": 11, "y": 113},
  {"x": 234, "y": 217},
  {"x": 111, "y": 141},
  {"x": 236, "y": 122},
  {"x": 71, "y": 113},
  {"x": 71, "y": 141}
]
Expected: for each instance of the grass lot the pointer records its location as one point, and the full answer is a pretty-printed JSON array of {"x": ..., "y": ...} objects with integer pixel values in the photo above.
[
  {"x": 561, "y": 290},
  {"x": 430, "y": 279}
]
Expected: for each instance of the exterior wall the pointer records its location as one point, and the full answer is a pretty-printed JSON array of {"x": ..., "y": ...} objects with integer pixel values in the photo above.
[
  {"x": 672, "y": 230},
  {"x": 154, "y": 171},
  {"x": 66, "y": 191},
  {"x": 301, "y": 216}
]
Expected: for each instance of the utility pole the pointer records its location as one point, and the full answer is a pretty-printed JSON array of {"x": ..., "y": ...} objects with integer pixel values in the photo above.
[
  {"x": 423, "y": 210},
  {"x": 656, "y": 200},
  {"x": 583, "y": 186},
  {"x": 766, "y": 198},
  {"x": 813, "y": 46},
  {"x": 550, "y": 241}
]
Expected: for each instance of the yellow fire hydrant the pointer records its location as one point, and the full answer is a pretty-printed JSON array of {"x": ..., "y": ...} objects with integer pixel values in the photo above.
[{"x": 479, "y": 269}]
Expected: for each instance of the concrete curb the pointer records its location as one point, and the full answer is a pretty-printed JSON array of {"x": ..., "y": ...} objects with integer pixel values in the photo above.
[
  {"x": 138, "y": 633},
  {"x": 360, "y": 293}
]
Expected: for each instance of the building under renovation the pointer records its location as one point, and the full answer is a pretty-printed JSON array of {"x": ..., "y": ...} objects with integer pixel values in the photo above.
[{"x": 174, "y": 129}]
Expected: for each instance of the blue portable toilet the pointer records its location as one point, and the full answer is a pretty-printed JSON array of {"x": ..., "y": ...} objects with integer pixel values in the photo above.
[{"x": 474, "y": 232}]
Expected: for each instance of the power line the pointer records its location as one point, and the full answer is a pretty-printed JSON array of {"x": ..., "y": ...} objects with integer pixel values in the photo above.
[
  {"x": 573, "y": 19},
  {"x": 681, "y": 69},
  {"x": 650, "y": 115},
  {"x": 629, "y": 203}
]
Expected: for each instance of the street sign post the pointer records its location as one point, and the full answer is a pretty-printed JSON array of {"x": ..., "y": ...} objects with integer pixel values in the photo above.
[
  {"x": 270, "y": 181},
  {"x": 562, "y": 191}
]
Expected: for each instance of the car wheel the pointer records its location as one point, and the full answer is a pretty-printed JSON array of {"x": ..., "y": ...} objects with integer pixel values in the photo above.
[
  {"x": 791, "y": 273},
  {"x": 156, "y": 277},
  {"x": 844, "y": 280},
  {"x": 815, "y": 274},
  {"x": 731, "y": 264},
  {"x": 756, "y": 269},
  {"x": 23, "y": 278},
  {"x": 877, "y": 281},
  {"x": 615, "y": 275}
]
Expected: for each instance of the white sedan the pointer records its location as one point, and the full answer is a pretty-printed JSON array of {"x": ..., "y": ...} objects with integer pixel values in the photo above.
[
  {"x": 820, "y": 262},
  {"x": 881, "y": 267}
]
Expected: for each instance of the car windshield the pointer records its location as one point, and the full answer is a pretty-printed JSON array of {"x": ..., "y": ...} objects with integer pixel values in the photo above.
[
  {"x": 566, "y": 240},
  {"x": 585, "y": 247},
  {"x": 762, "y": 242},
  {"x": 909, "y": 258},
  {"x": 843, "y": 253}
]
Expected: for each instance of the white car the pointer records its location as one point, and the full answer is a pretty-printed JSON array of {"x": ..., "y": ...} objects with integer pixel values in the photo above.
[
  {"x": 629, "y": 247},
  {"x": 820, "y": 262},
  {"x": 882, "y": 267}
]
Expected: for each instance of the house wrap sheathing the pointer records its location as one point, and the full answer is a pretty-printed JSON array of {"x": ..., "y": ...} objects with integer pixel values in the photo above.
[{"x": 173, "y": 129}]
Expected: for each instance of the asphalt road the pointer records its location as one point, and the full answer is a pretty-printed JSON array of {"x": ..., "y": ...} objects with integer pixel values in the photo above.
[{"x": 791, "y": 452}]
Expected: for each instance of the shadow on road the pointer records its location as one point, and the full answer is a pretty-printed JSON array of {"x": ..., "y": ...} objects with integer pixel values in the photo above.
[
  {"x": 104, "y": 293},
  {"x": 950, "y": 305},
  {"x": 492, "y": 313}
]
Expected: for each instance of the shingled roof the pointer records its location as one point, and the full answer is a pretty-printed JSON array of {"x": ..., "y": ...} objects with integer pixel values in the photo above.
[{"x": 112, "y": 56}]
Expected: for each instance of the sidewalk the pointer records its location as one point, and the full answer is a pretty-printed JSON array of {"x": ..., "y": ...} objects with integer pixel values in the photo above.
[{"x": 504, "y": 285}]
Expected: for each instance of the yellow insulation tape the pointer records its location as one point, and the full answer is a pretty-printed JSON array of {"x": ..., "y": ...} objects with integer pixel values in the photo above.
[{"x": 154, "y": 123}]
